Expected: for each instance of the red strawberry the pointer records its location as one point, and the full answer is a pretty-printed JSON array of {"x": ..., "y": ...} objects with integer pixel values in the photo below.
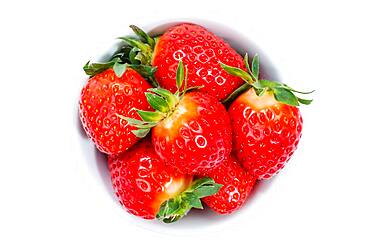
[
  {"x": 199, "y": 49},
  {"x": 103, "y": 97},
  {"x": 266, "y": 123},
  {"x": 191, "y": 131},
  {"x": 148, "y": 188},
  {"x": 237, "y": 185},
  {"x": 265, "y": 132},
  {"x": 196, "y": 137}
]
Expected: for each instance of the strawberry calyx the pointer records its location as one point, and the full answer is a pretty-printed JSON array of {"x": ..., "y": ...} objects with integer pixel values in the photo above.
[
  {"x": 163, "y": 102},
  {"x": 282, "y": 92},
  {"x": 119, "y": 67},
  {"x": 134, "y": 53},
  {"x": 141, "y": 52},
  {"x": 143, "y": 36},
  {"x": 142, "y": 48},
  {"x": 177, "y": 207}
]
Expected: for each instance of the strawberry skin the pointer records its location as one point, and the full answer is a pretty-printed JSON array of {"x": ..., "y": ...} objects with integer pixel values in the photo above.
[
  {"x": 201, "y": 51},
  {"x": 237, "y": 185},
  {"x": 103, "y": 97},
  {"x": 196, "y": 137},
  {"x": 265, "y": 132},
  {"x": 142, "y": 182}
]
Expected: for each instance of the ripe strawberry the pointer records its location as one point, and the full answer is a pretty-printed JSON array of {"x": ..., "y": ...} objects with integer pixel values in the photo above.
[
  {"x": 266, "y": 122},
  {"x": 199, "y": 49},
  {"x": 103, "y": 97},
  {"x": 196, "y": 137},
  {"x": 237, "y": 185},
  {"x": 148, "y": 188},
  {"x": 266, "y": 132},
  {"x": 191, "y": 131}
]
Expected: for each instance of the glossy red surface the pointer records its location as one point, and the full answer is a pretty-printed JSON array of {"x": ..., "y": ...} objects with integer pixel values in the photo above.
[
  {"x": 237, "y": 184},
  {"x": 201, "y": 51},
  {"x": 142, "y": 181},
  {"x": 264, "y": 138},
  {"x": 102, "y": 98},
  {"x": 196, "y": 137}
]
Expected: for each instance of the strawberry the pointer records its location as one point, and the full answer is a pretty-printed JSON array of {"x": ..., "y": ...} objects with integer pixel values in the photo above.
[
  {"x": 103, "y": 97},
  {"x": 196, "y": 137},
  {"x": 148, "y": 188},
  {"x": 237, "y": 185},
  {"x": 197, "y": 47},
  {"x": 190, "y": 130},
  {"x": 266, "y": 132},
  {"x": 266, "y": 122}
]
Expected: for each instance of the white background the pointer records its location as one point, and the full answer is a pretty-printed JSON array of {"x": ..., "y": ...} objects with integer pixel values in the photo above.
[{"x": 48, "y": 196}]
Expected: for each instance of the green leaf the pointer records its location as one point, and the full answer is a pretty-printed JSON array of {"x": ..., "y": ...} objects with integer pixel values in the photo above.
[
  {"x": 157, "y": 102},
  {"x": 194, "y": 201},
  {"x": 257, "y": 85},
  {"x": 141, "y": 133},
  {"x": 171, "y": 99},
  {"x": 204, "y": 181},
  {"x": 227, "y": 102},
  {"x": 246, "y": 62},
  {"x": 143, "y": 35},
  {"x": 123, "y": 53},
  {"x": 145, "y": 70},
  {"x": 135, "y": 43},
  {"x": 132, "y": 55},
  {"x": 304, "y": 101},
  {"x": 173, "y": 210},
  {"x": 194, "y": 88},
  {"x": 145, "y": 50},
  {"x": 285, "y": 96},
  {"x": 119, "y": 69},
  {"x": 140, "y": 57},
  {"x": 207, "y": 190},
  {"x": 293, "y": 90},
  {"x": 176, "y": 208},
  {"x": 138, "y": 123},
  {"x": 277, "y": 85},
  {"x": 92, "y": 69},
  {"x": 270, "y": 84},
  {"x": 168, "y": 208},
  {"x": 237, "y": 72},
  {"x": 179, "y": 75},
  {"x": 161, "y": 91},
  {"x": 118, "y": 55},
  {"x": 256, "y": 66},
  {"x": 173, "y": 218},
  {"x": 131, "y": 121},
  {"x": 201, "y": 181},
  {"x": 186, "y": 82},
  {"x": 150, "y": 116},
  {"x": 260, "y": 92},
  {"x": 205, "y": 187}
]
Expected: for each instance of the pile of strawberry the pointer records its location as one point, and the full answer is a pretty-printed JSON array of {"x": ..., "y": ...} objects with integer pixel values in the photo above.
[{"x": 184, "y": 119}]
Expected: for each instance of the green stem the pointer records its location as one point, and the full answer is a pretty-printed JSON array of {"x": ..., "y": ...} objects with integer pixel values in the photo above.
[
  {"x": 248, "y": 79},
  {"x": 154, "y": 81},
  {"x": 236, "y": 93}
]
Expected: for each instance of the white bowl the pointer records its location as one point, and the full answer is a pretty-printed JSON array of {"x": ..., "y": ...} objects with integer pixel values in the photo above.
[{"x": 93, "y": 165}]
